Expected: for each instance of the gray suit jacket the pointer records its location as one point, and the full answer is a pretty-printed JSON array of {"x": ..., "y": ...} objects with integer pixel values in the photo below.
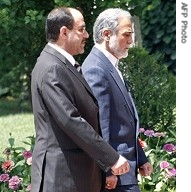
[
  {"x": 69, "y": 153},
  {"x": 118, "y": 116}
]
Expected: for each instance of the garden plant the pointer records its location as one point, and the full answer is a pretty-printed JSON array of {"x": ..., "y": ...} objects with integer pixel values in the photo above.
[
  {"x": 153, "y": 88},
  {"x": 159, "y": 147},
  {"x": 15, "y": 170}
]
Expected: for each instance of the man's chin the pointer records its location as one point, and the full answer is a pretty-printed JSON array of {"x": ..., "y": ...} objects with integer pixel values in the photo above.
[
  {"x": 81, "y": 51},
  {"x": 123, "y": 55}
]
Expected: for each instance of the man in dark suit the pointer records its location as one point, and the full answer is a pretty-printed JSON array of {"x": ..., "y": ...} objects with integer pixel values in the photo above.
[
  {"x": 119, "y": 121},
  {"x": 69, "y": 154}
]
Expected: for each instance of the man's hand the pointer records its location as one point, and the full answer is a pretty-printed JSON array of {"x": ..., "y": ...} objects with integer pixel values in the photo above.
[
  {"x": 121, "y": 166},
  {"x": 146, "y": 169},
  {"x": 111, "y": 182}
]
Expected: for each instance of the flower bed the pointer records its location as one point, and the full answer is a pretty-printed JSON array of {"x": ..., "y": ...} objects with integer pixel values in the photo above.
[{"x": 15, "y": 173}]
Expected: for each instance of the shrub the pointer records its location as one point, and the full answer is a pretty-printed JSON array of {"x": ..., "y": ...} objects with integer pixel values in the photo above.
[{"x": 153, "y": 88}]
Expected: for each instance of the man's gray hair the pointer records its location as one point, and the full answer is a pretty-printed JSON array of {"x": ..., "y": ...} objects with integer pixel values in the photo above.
[{"x": 108, "y": 19}]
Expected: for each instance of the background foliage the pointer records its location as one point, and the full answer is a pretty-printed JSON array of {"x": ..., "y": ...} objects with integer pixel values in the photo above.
[
  {"x": 22, "y": 37},
  {"x": 22, "y": 34},
  {"x": 158, "y": 26},
  {"x": 156, "y": 95},
  {"x": 150, "y": 71}
]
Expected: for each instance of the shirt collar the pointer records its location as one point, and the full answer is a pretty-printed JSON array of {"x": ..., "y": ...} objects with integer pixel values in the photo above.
[
  {"x": 111, "y": 58},
  {"x": 69, "y": 57}
]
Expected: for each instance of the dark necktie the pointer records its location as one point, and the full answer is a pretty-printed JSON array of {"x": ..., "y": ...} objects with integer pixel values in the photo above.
[{"x": 78, "y": 67}]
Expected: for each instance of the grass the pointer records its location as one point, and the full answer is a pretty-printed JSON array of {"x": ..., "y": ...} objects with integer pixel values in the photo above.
[{"x": 16, "y": 118}]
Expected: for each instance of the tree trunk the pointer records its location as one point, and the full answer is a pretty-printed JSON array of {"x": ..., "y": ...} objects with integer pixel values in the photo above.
[{"x": 137, "y": 32}]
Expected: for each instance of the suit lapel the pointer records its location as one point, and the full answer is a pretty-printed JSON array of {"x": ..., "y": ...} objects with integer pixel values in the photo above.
[
  {"x": 136, "y": 114},
  {"x": 54, "y": 52},
  {"x": 80, "y": 77},
  {"x": 123, "y": 89},
  {"x": 117, "y": 79},
  {"x": 126, "y": 94}
]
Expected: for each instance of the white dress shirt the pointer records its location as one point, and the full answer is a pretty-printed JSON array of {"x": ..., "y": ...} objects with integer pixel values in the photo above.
[
  {"x": 69, "y": 57},
  {"x": 111, "y": 58}
]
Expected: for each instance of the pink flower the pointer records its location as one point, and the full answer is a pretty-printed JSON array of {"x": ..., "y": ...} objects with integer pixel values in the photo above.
[
  {"x": 4, "y": 177},
  {"x": 171, "y": 172},
  {"x": 27, "y": 154},
  {"x": 141, "y": 130},
  {"x": 164, "y": 165},
  {"x": 159, "y": 134},
  {"x": 14, "y": 183},
  {"x": 149, "y": 133},
  {"x": 169, "y": 147},
  {"x": 7, "y": 166},
  {"x": 28, "y": 187},
  {"x": 29, "y": 161}
]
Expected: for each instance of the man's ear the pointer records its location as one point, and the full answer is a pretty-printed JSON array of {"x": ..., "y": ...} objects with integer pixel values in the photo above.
[
  {"x": 63, "y": 31},
  {"x": 106, "y": 34}
]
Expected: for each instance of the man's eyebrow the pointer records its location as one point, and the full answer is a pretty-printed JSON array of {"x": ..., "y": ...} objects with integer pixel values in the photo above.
[
  {"x": 83, "y": 25},
  {"x": 125, "y": 32}
]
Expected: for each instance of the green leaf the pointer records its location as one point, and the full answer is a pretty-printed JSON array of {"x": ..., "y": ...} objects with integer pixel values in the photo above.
[
  {"x": 11, "y": 141},
  {"x": 20, "y": 163},
  {"x": 160, "y": 34},
  {"x": 167, "y": 39},
  {"x": 6, "y": 2}
]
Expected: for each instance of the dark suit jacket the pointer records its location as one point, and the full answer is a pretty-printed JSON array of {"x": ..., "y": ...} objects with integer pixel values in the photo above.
[
  {"x": 118, "y": 117},
  {"x": 68, "y": 152}
]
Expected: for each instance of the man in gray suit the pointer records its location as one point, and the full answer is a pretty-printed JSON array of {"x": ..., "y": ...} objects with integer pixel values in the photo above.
[
  {"x": 119, "y": 121},
  {"x": 69, "y": 154}
]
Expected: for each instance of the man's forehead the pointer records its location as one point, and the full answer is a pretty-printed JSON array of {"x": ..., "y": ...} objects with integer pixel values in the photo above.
[
  {"x": 126, "y": 28},
  {"x": 125, "y": 23}
]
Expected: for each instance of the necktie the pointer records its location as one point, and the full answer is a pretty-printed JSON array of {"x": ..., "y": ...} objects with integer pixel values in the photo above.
[{"x": 78, "y": 67}]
